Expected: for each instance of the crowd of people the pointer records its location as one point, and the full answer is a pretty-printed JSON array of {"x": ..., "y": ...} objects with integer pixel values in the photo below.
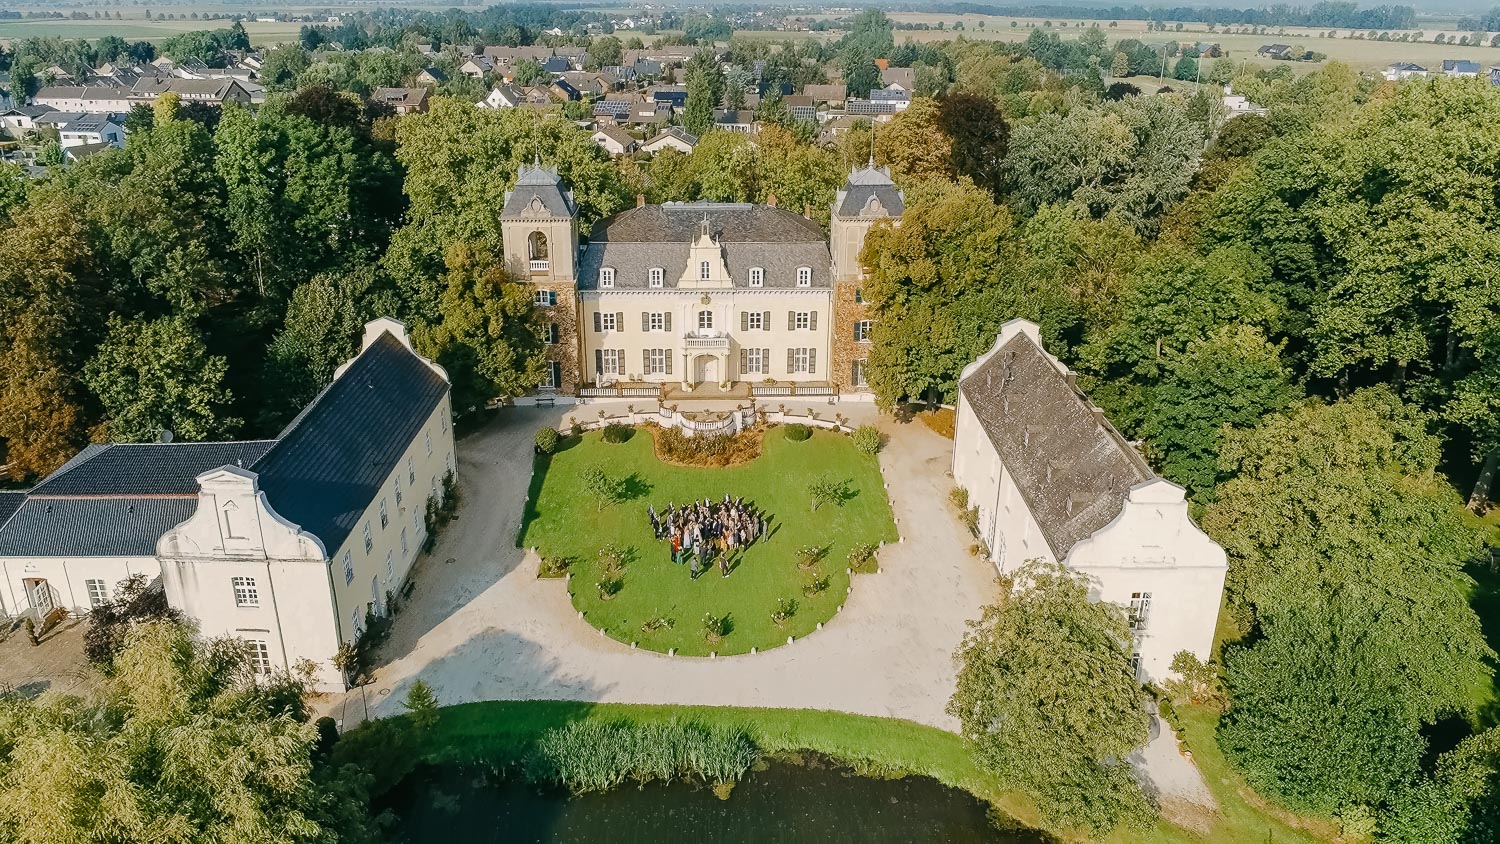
[{"x": 701, "y": 532}]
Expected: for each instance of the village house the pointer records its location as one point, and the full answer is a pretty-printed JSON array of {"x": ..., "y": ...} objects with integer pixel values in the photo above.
[
  {"x": 615, "y": 141},
  {"x": 286, "y": 543},
  {"x": 401, "y": 100},
  {"x": 672, "y": 137},
  {"x": 1051, "y": 479}
]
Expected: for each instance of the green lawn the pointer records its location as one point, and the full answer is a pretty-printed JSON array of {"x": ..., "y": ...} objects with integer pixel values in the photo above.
[
  {"x": 503, "y": 730},
  {"x": 561, "y": 520}
]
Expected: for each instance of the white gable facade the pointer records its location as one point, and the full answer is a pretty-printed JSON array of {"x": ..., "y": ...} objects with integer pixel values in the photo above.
[{"x": 1051, "y": 479}]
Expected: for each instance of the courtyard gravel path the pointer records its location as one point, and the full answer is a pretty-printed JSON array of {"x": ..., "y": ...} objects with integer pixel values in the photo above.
[
  {"x": 482, "y": 627},
  {"x": 479, "y": 625}
]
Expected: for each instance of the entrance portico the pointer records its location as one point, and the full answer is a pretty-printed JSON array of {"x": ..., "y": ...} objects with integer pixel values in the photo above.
[{"x": 705, "y": 361}]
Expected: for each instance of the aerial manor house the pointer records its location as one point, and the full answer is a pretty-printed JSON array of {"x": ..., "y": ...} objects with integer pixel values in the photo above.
[
  {"x": 285, "y": 543},
  {"x": 702, "y": 296}
]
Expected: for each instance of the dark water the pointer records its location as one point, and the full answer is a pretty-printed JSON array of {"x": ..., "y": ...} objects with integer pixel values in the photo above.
[{"x": 782, "y": 804}]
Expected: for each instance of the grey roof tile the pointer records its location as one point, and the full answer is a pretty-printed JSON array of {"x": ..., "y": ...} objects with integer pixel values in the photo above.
[
  {"x": 92, "y": 527},
  {"x": 146, "y": 469},
  {"x": 866, "y": 184},
  {"x": 1071, "y": 466},
  {"x": 330, "y": 462},
  {"x": 539, "y": 192}
]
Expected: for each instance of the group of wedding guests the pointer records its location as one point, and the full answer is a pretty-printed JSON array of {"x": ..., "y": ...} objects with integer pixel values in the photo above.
[{"x": 701, "y": 531}]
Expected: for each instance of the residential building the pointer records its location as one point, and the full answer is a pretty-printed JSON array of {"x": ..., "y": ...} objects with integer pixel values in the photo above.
[
  {"x": 615, "y": 141},
  {"x": 19, "y": 120},
  {"x": 831, "y": 95},
  {"x": 1403, "y": 70},
  {"x": 742, "y": 121},
  {"x": 503, "y": 96},
  {"x": 431, "y": 77},
  {"x": 477, "y": 67},
  {"x": 1274, "y": 51},
  {"x": 903, "y": 78},
  {"x": 1460, "y": 68},
  {"x": 402, "y": 100},
  {"x": 92, "y": 129},
  {"x": 85, "y": 99},
  {"x": 672, "y": 137},
  {"x": 287, "y": 543},
  {"x": 1051, "y": 479},
  {"x": 206, "y": 91}
]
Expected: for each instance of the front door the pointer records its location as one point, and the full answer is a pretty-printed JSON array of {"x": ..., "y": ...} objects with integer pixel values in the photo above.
[
  {"x": 41, "y": 596},
  {"x": 708, "y": 369}
]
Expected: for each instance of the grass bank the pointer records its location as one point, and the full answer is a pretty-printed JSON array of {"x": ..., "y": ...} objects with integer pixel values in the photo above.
[{"x": 506, "y": 731}]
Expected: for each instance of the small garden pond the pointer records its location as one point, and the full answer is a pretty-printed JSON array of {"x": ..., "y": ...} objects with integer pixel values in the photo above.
[{"x": 782, "y": 803}]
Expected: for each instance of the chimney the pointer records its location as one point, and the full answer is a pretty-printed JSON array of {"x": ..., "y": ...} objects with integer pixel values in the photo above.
[
  {"x": 640, "y": 200},
  {"x": 771, "y": 200}
]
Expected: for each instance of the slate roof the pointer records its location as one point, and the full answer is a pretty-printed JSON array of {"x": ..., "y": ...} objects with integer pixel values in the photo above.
[
  {"x": 542, "y": 184},
  {"x": 92, "y": 527},
  {"x": 146, "y": 469},
  {"x": 639, "y": 239},
  {"x": 330, "y": 462},
  {"x": 10, "y": 502},
  {"x": 868, "y": 183},
  {"x": 1071, "y": 466}
]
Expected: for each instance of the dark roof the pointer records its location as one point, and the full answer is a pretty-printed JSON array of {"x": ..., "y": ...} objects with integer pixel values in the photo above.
[
  {"x": 10, "y": 502},
  {"x": 866, "y": 184},
  {"x": 543, "y": 185},
  {"x": 1071, "y": 466},
  {"x": 92, "y": 527},
  {"x": 639, "y": 239},
  {"x": 146, "y": 469},
  {"x": 330, "y": 462}
]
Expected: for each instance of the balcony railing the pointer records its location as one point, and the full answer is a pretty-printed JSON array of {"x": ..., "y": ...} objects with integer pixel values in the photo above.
[
  {"x": 540, "y": 266},
  {"x": 717, "y": 343}
]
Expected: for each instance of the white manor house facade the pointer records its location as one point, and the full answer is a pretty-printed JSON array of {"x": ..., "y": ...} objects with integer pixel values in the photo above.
[
  {"x": 699, "y": 296},
  {"x": 285, "y": 543}
]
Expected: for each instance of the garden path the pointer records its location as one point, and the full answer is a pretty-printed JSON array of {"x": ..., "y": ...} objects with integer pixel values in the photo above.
[{"x": 479, "y": 625}]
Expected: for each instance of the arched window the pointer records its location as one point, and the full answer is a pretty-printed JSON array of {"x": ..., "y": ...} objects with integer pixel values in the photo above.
[
  {"x": 705, "y": 319},
  {"x": 606, "y": 276},
  {"x": 804, "y": 276},
  {"x": 538, "y": 246},
  {"x": 704, "y": 270},
  {"x": 757, "y": 276},
  {"x": 656, "y": 276}
]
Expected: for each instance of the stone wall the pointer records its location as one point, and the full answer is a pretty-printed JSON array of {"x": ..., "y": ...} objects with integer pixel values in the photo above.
[
  {"x": 565, "y": 314},
  {"x": 846, "y": 350}
]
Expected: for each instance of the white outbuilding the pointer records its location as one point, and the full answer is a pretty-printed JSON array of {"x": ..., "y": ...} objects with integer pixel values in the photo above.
[{"x": 1052, "y": 479}]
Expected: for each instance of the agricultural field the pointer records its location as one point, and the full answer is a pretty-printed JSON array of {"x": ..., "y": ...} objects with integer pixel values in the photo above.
[{"x": 140, "y": 29}]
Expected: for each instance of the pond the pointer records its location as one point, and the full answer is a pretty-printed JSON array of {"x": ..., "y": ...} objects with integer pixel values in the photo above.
[{"x": 810, "y": 802}]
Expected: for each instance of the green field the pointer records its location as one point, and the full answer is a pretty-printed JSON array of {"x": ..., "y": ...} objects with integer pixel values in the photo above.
[
  {"x": 503, "y": 731},
  {"x": 140, "y": 29},
  {"x": 563, "y": 520}
]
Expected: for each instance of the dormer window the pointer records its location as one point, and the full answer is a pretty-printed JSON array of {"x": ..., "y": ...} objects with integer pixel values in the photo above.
[
  {"x": 757, "y": 277},
  {"x": 655, "y": 276},
  {"x": 607, "y": 277},
  {"x": 804, "y": 276},
  {"x": 705, "y": 270}
]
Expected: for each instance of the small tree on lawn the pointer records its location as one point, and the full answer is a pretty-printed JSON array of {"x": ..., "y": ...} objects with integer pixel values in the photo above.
[
  {"x": 1048, "y": 702},
  {"x": 603, "y": 487},
  {"x": 827, "y": 490},
  {"x": 421, "y": 702}
]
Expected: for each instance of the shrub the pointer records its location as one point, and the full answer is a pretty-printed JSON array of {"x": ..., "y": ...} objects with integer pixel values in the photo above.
[
  {"x": 828, "y": 490},
  {"x": 808, "y": 556},
  {"x": 611, "y": 561},
  {"x": 672, "y": 446},
  {"x": 785, "y": 609},
  {"x": 867, "y": 440},
  {"x": 716, "y": 627},
  {"x": 590, "y": 756},
  {"x": 797, "y": 432},
  {"x": 656, "y": 624},
  {"x": 615, "y": 432},
  {"x": 609, "y": 587},
  {"x": 862, "y": 558},
  {"x": 553, "y": 567},
  {"x": 959, "y": 498},
  {"x": 547, "y": 439},
  {"x": 816, "y": 585}
]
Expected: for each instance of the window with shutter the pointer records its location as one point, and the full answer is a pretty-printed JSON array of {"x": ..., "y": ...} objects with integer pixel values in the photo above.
[
  {"x": 813, "y": 321},
  {"x": 791, "y": 320},
  {"x": 645, "y": 321},
  {"x": 619, "y": 320},
  {"x": 620, "y": 362},
  {"x": 812, "y": 361},
  {"x": 766, "y": 321},
  {"x": 598, "y": 322},
  {"x": 744, "y": 361},
  {"x": 669, "y": 361},
  {"x": 791, "y": 361},
  {"x": 599, "y": 360},
  {"x": 667, "y": 321},
  {"x": 765, "y": 361},
  {"x": 646, "y": 361},
  {"x": 744, "y": 326}
]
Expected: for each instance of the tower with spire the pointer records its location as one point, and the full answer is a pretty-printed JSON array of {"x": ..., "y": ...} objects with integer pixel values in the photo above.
[{"x": 867, "y": 197}]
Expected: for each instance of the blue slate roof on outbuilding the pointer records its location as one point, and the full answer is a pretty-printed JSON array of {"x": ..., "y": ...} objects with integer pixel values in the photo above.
[
  {"x": 147, "y": 469},
  {"x": 92, "y": 527},
  {"x": 10, "y": 502},
  {"x": 330, "y": 462}
]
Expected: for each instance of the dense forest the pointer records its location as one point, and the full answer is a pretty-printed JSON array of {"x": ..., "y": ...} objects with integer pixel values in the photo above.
[{"x": 1295, "y": 315}]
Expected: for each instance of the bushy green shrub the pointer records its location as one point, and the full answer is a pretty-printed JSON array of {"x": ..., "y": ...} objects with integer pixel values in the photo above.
[
  {"x": 615, "y": 432},
  {"x": 546, "y": 440},
  {"x": 867, "y": 440},
  {"x": 797, "y": 432},
  {"x": 590, "y": 756},
  {"x": 862, "y": 558},
  {"x": 707, "y": 449}
]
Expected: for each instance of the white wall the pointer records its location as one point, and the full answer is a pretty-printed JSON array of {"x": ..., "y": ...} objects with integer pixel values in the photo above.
[
  {"x": 1153, "y": 546},
  {"x": 65, "y": 576}
]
